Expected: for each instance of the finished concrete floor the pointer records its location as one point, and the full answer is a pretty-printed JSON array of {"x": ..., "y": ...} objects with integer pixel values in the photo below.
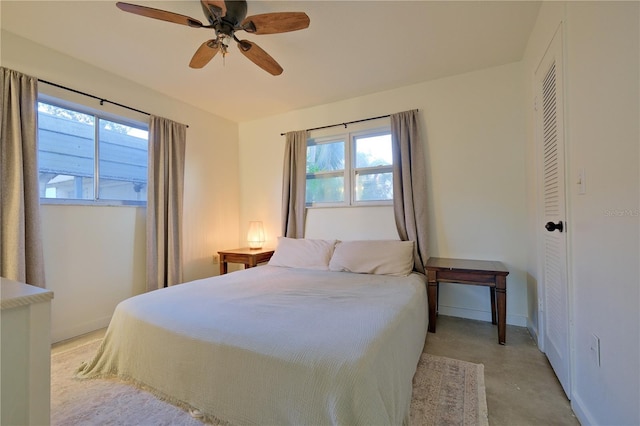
[{"x": 520, "y": 384}]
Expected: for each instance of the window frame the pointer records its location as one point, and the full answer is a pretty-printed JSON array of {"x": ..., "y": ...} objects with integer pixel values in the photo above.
[
  {"x": 97, "y": 114},
  {"x": 340, "y": 137},
  {"x": 350, "y": 171},
  {"x": 371, "y": 169}
]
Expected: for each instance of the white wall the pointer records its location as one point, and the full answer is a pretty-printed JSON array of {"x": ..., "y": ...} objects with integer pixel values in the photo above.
[
  {"x": 475, "y": 141},
  {"x": 95, "y": 256},
  {"x": 602, "y": 96},
  {"x": 352, "y": 223}
]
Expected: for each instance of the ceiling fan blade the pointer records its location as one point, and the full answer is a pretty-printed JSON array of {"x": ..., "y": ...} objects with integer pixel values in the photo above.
[
  {"x": 273, "y": 23},
  {"x": 204, "y": 54},
  {"x": 259, "y": 57},
  {"x": 163, "y": 15}
]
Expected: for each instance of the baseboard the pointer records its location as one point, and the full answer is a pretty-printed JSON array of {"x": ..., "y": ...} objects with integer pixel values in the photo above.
[
  {"x": 452, "y": 311},
  {"x": 58, "y": 335},
  {"x": 581, "y": 411}
]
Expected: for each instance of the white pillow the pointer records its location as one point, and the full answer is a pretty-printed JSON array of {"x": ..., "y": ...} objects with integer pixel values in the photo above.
[
  {"x": 303, "y": 253},
  {"x": 380, "y": 257}
]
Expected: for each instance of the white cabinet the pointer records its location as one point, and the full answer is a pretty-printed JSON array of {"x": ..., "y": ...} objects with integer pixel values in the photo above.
[{"x": 25, "y": 354}]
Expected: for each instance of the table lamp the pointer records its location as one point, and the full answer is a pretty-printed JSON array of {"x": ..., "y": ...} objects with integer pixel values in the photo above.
[{"x": 255, "y": 236}]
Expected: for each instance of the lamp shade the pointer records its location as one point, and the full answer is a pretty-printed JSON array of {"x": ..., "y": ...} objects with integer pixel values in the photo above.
[{"x": 255, "y": 236}]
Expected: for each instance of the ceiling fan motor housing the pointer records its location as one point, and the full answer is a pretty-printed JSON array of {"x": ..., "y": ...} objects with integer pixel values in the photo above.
[{"x": 235, "y": 14}]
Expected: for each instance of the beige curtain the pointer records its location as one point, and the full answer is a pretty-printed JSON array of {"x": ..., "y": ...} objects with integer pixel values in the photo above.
[
  {"x": 294, "y": 184},
  {"x": 21, "y": 253},
  {"x": 410, "y": 183},
  {"x": 167, "y": 141}
]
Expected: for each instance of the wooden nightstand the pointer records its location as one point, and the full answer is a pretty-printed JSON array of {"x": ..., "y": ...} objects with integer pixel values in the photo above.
[
  {"x": 249, "y": 257},
  {"x": 476, "y": 272}
]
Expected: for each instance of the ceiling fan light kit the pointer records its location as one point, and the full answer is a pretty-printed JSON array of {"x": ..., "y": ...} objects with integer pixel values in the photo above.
[{"x": 227, "y": 17}]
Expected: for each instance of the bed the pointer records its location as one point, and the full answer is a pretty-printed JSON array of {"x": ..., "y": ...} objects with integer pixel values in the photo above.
[{"x": 279, "y": 344}]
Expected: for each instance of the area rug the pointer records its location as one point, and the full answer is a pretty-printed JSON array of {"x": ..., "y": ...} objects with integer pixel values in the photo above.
[
  {"x": 448, "y": 391},
  {"x": 445, "y": 392}
]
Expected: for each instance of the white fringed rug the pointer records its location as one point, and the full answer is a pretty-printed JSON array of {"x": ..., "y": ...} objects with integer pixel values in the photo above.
[{"x": 445, "y": 392}]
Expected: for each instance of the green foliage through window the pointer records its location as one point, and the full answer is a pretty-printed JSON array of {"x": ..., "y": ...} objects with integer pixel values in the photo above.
[{"x": 350, "y": 169}]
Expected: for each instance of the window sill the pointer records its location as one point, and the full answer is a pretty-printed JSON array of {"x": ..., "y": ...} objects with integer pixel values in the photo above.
[
  {"x": 95, "y": 203},
  {"x": 346, "y": 206}
]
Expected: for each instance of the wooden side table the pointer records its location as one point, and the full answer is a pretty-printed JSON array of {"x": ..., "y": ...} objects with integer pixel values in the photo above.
[
  {"x": 476, "y": 272},
  {"x": 249, "y": 257}
]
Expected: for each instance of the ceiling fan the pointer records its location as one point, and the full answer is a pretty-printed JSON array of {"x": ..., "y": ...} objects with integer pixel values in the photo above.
[{"x": 226, "y": 17}]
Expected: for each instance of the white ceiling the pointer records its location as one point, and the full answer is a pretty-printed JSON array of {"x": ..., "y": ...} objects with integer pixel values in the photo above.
[{"x": 351, "y": 48}]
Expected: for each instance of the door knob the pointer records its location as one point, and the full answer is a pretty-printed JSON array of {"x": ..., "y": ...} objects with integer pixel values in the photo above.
[{"x": 550, "y": 226}]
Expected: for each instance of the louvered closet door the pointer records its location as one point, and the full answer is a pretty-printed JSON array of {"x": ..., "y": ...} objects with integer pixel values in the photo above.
[{"x": 550, "y": 141}]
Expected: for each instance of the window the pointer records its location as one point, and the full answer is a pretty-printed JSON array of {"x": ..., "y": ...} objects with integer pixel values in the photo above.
[
  {"x": 325, "y": 172},
  {"x": 83, "y": 155},
  {"x": 350, "y": 169}
]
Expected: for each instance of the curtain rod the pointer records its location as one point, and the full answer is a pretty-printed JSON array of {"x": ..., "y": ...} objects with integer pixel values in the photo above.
[
  {"x": 344, "y": 124},
  {"x": 102, "y": 100}
]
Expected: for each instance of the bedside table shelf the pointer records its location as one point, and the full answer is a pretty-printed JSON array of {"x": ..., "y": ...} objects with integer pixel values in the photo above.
[{"x": 248, "y": 257}]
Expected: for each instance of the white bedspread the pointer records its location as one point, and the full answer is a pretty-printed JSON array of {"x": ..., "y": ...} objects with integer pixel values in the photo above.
[{"x": 275, "y": 346}]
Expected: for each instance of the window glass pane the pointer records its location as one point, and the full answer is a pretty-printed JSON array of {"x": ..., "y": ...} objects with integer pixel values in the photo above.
[
  {"x": 325, "y": 157},
  {"x": 374, "y": 186},
  {"x": 328, "y": 189},
  {"x": 373, "y": 151},
  {"x": 65, "y": 153},
  {"x": 123, "y": 154}
]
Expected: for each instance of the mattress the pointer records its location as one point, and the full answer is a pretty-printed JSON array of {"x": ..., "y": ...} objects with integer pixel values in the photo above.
[{"x": 273, "y": 345}]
